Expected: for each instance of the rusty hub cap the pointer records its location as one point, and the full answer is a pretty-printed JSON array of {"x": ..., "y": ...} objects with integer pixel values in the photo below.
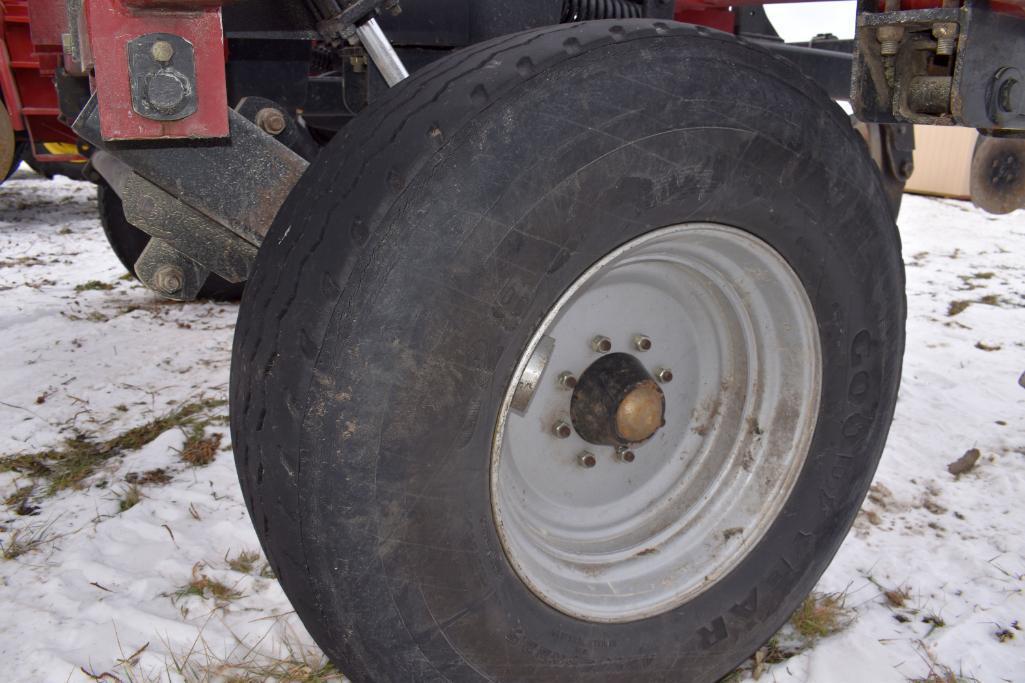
[
  {"x": 617, "y": 403},
  {"x": 627, "y": 492}
]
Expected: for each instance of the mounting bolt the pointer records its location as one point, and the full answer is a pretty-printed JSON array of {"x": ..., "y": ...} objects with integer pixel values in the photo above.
[
  {"x": 601, "y": 344},
  {"x": 169, "y": 279},
  {"x": 392, "y": 7},
  {"x": 587, "y": 460},
  {"x": 271, "y": 120},
  {"x": 624, "y": 454},
  {"x": 642, "y": 343},
  {"x": 562, "y": 429},
  {"x": 567, "y": 380},
  {"x": 665, "y": 375},
  {"x": 945, "y": 34},
  {"x": 889, "y": 38},
  {"x": 162, "y": 51}
]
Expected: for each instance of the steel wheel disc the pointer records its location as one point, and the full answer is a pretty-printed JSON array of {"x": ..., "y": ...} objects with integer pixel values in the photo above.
[{"x": 612, "y": 540}]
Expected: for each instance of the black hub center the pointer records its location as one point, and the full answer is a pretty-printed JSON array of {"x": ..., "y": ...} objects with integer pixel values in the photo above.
[{"x": 617, "y": 403}]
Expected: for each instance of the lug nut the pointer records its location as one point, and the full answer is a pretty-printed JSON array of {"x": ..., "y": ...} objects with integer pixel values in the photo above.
[
  {"x": 567, "y": 380},
  {"x": 587, "y": 460},
  {"x": 642, "y": 343},
  {"x": 624, "y": 454},
  {"x": 601, "y": 344},
  {"x": 562, "y": 430},
  {"x": 665, "y": 375},
  {"x": 162, "y": 51}
]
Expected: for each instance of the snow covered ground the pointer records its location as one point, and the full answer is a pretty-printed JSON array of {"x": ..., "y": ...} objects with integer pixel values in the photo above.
[{"x": 138, "y": 568}]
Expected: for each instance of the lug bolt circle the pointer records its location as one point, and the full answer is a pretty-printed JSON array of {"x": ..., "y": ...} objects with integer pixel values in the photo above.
[
  {"x": 642, "y": 343},
  {"x": 562, "y": 430},
  {"x": 601, "y": 344},
  {"x": 587, "y": 460},
  {"x": 567, "y": 380},
  {"x": 665, "y": 375}
]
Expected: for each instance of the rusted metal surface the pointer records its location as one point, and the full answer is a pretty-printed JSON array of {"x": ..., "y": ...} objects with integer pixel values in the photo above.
[
  {"x": 616, "y": 402},
  {"x": 112, "y": 26},
  {"x": 239, "y": 185}
]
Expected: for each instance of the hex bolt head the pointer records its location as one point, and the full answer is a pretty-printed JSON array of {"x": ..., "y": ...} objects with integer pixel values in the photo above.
[
  {"x": 601, "y": 344},
  {"x": 665, "y": 375},
  {"x": 567, "y": 380},
  {"x": 642, "y": 343},
  {"x": 587, "y": 460},
  {"x": 271, "y": 120},
  {"x": 624, "y": 454},
  {"x": 169, "y": 279},
  {"x": 162, "y": 51},
  {"x": 562, "y": 429}
]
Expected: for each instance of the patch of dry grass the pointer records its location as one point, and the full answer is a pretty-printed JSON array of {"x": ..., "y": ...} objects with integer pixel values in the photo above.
[
  {"x": 129, "y": 497},
  {"x": 821, "y": 615},
  {"x": 80, "y": 456},
  {"x": 27, "y": 539},
  {"x": 200, "y": 449},
  {"x": 202, "y": 586}
]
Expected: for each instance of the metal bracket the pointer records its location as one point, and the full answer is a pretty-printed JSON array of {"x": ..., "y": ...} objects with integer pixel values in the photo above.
[
  {"x": 162, "y": 69},
  {"x": 164, "y": 269}
]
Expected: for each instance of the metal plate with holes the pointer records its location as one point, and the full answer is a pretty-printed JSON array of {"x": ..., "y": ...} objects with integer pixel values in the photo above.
[
  {"x": 615, "y": 534},
  {"x": 162, "y": 69}
]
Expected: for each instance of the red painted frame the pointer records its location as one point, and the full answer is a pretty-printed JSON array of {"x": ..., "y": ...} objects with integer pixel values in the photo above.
[
  {"x": 29, "y": 56},
  {"x": 112, "y": 24}
]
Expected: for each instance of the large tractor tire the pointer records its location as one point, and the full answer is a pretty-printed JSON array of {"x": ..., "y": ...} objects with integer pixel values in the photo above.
[
  {"x": 570, "y": 359},
  {"x": 128, "y": 241},
  {"x": 11, "y": 151}
]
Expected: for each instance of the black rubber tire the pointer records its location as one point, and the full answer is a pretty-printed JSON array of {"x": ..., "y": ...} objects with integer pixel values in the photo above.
[
  {"x": 406, "y": 273},
  {"x": 128, "y": 241},
  {"x": 52, "y": 169},
  {"x": 19, "y": 155}
]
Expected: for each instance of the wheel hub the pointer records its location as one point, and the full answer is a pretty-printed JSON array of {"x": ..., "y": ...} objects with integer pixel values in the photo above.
[
  {"x": 618, "y": 493},
  {"x": 617, "y": 403}
]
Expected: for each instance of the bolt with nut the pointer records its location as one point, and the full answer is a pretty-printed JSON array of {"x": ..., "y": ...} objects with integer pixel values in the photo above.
[
  {"x": 624, "y": 454},
  {"x": 601, "y": 344},
  {"x": 665, "y": 375},
  {"x": 642, "y": 342},
  {"x": 562, "y": 429},
  {"x": 169, "y": 279},
  {"x": 587, "y": 460},
  {"x": 271, "y": 120}
]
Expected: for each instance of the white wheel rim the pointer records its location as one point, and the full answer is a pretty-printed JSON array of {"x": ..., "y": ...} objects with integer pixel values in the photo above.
[{"x": 621, "y": 541}]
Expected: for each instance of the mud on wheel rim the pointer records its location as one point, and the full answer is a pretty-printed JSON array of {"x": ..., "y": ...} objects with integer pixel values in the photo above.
[{"x": 616, "y": 531}]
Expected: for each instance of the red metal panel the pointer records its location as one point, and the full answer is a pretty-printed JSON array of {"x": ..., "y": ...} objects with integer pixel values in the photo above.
[{"x": 112, "y": 26}]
